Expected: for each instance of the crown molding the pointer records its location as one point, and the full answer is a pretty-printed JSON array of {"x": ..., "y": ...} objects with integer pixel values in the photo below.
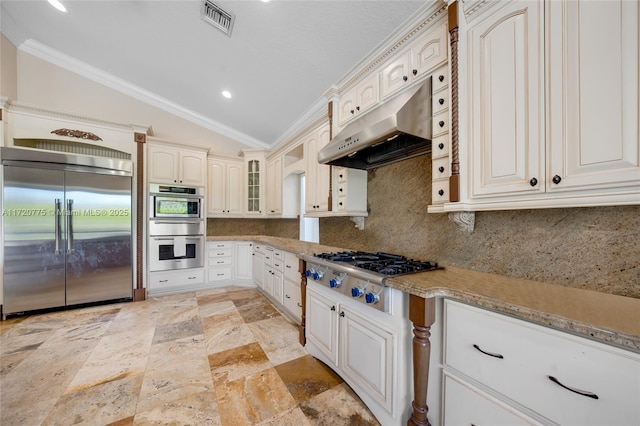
[{"x": 55, "y": 57}]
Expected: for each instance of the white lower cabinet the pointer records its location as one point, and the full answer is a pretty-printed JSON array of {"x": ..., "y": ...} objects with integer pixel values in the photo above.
[
  {"x": 229, "y": 262},
  {"x": 165, "y": 282},
  {"x": 258, "y": 265},
  {"x": 367, "y": 347},
  {"x": 292, "y": 296},
  {"x": 542, "y": 373},
  {"x": 467, "y": 405}
]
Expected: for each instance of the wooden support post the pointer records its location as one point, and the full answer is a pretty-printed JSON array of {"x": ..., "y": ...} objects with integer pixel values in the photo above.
[{"x": 422, "y": 313}]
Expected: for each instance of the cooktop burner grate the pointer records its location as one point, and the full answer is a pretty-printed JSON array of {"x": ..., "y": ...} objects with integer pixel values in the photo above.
[{"x": 380, "y": 262}]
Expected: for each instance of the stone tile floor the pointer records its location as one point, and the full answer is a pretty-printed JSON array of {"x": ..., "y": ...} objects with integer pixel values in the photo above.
[{"x": 224, "y": 356}]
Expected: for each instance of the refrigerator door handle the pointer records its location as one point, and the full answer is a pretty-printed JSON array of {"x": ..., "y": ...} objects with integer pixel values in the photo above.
[
  {"x": 57, "y": 225},
  {"x": 69, "y": 214}
]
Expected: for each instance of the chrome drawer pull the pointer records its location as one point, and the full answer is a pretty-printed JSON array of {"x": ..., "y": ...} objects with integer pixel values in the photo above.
[
  {"x": 578, "y": 391},
  {"x": 488, "y": 353}
]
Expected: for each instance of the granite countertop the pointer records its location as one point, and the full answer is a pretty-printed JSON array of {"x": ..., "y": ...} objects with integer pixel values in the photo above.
[{"x": 604, "y": 317}]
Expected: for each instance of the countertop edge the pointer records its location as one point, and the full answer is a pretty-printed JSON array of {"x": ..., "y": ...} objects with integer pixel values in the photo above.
[{"x": 571, "y": 310}]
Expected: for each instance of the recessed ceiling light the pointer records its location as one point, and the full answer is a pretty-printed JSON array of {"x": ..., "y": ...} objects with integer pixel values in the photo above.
[
  {"x": 265, "y": 1},
  {"x": 226, "y": 94},
  {"x": 58, "y": 5}
]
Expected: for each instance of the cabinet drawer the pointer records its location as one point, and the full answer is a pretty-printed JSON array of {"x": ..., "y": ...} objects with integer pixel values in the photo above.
[
  {"x": 217, "y": 245},
  {"x": 342, "y": 190},
  {"x": 440, "y": 80},
  {"x": 278, "y": 265},
  {"x": 440, "y": 146},
  {"x": 291, "y": 268},
  {"x": 479, "y": 408},
  {"x": 341, "y": 203},
  {"x": 521, "y": 360},
  {"x": 292, "y": 299},
  {"x": 440, "y": 191},
  {"x": 440, "y": 101},
  {"x": 219, "y": 253},
  {"x": 278, "y": 255},
  {"x": 441, "y": 168},
  {"x": 219, "y": 261},
  {"x": 163, "y": 280},
  {"x": 259, "y": 248},
  {"x": 441, "y": 123},
  {"x": 219, "y": 274}
]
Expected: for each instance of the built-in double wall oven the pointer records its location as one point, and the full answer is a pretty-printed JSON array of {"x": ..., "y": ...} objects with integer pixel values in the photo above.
[{"x": 176, "y": 227}]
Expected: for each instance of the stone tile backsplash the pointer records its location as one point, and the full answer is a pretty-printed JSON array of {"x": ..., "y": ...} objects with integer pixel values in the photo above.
[{"x": 596, "y": 248}]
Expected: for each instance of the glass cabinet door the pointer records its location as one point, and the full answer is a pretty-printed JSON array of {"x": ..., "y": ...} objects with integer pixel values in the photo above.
[{"x": 253, "y": 183}]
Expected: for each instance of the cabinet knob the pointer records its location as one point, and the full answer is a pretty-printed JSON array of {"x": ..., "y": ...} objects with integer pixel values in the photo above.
[
  {"x": 533, "y": 182},
  {"x": 333, "y": 308},
  {"x": 405, "y": 78},
  {"x": 441, "y": 169},
  {"x": 441, "y": 145},
  {"x": 353, "y": 111},
  {"x": 342, "y": 314},
  {"x": 414, "y": 72},
  {"x": 556, "y": 179},
  {"x": 340, "y": 203},
  {"x": 441, "y": 192},
  {"x": 441, "y": 78},
  {"x": 441, "y": 123},
  {"x": 441, "y": 101},
  {"x": 357, "y": 108},
  {"x": 341, "y": 176},
  {"x": 340, "y": 189}
]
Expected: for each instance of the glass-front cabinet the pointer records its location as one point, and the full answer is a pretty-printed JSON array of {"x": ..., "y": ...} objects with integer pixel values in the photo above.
[{"x": 254, "y": 162}]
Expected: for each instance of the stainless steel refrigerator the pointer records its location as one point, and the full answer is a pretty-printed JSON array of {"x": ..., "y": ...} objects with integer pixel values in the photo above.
[{"x": 67, "y": 230}]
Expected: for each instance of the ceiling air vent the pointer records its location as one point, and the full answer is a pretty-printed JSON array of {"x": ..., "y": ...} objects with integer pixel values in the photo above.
[{"x": 217, "y": 17}]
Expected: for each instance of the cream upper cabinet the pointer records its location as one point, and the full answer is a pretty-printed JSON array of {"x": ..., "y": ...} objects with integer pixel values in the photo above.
[
  {"x": 358, "y": 100},
  {"x": 553, "y": 105},
  {"x": 426, "y": 53},
  {"x": 274, "y": 186},
  {"x": 224, "y": 189},
  {"x": 593, "y": 115},
  {"x": 317, "y": 175},
  {"x": 505, "y": 82},
  {"x": 176, "y": 165}
]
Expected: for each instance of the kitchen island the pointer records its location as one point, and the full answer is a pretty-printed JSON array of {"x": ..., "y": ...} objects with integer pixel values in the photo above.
[{"x": 601, "y": 317}]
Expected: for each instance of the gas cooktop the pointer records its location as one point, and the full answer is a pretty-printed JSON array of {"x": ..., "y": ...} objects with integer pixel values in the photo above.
[{"x": 382, "y": 263}]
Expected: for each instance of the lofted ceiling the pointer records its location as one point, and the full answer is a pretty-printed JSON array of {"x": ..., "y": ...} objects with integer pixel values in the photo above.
[{"x": 281, "y": 57}]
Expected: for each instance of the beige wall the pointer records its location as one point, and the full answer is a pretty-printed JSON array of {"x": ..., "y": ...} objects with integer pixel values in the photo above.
[
  {"x": 8, "y": 69},
  {"x": 47, "y": 85}
]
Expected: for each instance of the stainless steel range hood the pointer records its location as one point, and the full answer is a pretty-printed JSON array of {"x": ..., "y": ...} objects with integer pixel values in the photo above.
[{"x": 396, "y": 130}]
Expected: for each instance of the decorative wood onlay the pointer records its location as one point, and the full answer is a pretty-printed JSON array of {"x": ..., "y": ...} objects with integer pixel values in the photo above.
[
  {"x": 330, "y": 116},
  {"x": 454, "y": 179},
  {"x": 36, "y": 110},
  {"x": 465, "y": 220},
  {"x": 364, "y": 70},
  {"x": 139, "y": 293},
  {"x": 77, "y": 134}
]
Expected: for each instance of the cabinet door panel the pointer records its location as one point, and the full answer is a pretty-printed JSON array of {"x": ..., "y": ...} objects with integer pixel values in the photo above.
[
  {"x": 430, "y": 51},
  {"x": 234, "y": 189},
  {"x": 192, "y": 169},
  {"x": 506, "y": 100},
  {"x": 366, "y": 355},
  {"x": 593, "y": 91},
  {"x": 163, "y": 166},
  {"x": 396, "y": 75},
  {"x": 322, "y": 324},
  {"x": 217, "y": 188}
]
